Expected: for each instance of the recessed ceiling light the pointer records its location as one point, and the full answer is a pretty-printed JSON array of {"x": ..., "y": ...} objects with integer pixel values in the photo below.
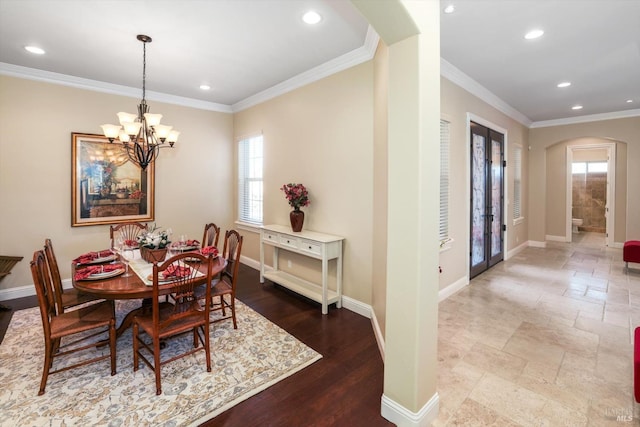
[
  {"x": 312, "y": 17},
  {"x": 534, "y": 34},
  {"x": 205, "y": 87},
  {"x": 629, "y": 101},
  {"x": 564, "y": 84},
  {"x": 577, "y": 107},
  {"x": 34, "y": 49},
  {"x": 450, "y": 9}
]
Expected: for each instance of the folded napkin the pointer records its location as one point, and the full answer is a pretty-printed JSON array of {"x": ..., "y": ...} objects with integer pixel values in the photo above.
[
  {"x": 209, "y": 250},
  {"x": 131, "y": 243},
  {"x": 191, "y": 243},
  {"x": 90, "y": 256},
  {"x": 176, "y": 271},
  {"x": 93, "y": 269}
]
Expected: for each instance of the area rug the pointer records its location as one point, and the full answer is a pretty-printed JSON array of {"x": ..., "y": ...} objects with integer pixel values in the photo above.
[{"x": 244, "y": 362}]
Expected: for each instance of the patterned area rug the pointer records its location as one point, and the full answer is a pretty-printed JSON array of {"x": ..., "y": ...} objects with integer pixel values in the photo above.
[{"x": 244, "y": 362}]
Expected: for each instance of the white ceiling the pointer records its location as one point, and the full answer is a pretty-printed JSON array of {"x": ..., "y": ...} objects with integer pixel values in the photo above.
[{"x": 248, "y": 49}]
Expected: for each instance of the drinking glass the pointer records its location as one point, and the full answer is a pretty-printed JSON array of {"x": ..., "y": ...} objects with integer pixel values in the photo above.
[{"x": 121, "y": 247}]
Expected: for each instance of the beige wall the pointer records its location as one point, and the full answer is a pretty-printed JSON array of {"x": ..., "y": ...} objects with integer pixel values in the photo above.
[
  {"x": 321, "y": 135},
  {"x": 456, "y": 103},
  {"x": 193, "y": 181},
  {"x": 380, "y": 191},
  {"x": 626, "y": 132}
]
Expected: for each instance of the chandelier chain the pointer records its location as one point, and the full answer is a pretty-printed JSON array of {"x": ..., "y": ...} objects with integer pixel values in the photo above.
[{"x": 144, "y": 71}]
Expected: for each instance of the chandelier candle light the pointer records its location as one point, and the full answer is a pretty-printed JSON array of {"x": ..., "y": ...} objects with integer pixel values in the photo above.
[{"x": 141, "y": 134}]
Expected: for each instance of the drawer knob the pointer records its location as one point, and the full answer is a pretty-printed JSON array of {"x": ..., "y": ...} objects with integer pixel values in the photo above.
[{"x": 310, "y": 247}]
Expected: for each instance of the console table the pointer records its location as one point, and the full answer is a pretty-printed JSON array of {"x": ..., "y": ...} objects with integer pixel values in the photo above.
[{"x": 320, "y": 246}]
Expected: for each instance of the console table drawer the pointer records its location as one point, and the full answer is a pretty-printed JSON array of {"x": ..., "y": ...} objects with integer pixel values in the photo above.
[
  {"x": 310, "y": 246},
  {"x": 288, "y": 241},
  {"x": 270, "y": 237}
]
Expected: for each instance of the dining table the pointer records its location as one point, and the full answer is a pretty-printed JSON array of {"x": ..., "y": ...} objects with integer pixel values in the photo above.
[{"x": 138, "y": 285}]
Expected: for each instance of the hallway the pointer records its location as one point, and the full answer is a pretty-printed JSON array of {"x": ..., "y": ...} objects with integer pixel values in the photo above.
[{"x": 543, "y": 339}]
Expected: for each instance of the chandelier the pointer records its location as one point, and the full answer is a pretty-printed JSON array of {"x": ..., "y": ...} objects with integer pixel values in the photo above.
[{"x": 141, "y": 134}]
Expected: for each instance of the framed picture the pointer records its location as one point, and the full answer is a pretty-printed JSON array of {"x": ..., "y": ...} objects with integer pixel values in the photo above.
[{"x": 106, "y": 187}]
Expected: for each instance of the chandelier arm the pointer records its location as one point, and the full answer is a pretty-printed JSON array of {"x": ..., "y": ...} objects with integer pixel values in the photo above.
[{"x": 141, "y": 156}]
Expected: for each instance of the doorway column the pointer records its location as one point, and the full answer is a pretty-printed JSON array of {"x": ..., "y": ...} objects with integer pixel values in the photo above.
[{"x": 411, "y": 29}]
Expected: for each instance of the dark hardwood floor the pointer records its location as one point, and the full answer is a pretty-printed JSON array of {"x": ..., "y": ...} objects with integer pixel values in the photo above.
[{"x": 343, "y": 388}]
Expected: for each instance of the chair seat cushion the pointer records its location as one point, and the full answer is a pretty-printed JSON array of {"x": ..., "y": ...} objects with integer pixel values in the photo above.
[{"x": 631, "y": 251}]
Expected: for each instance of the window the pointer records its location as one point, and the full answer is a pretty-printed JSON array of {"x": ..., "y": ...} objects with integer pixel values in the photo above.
[
  {"x": 444, "y": 182},
  {"x": 250, "y": 180},
  {"x": 588, "y": 167},
  {"x": 578, "y": 167},
  {"x": 517, "y": 182},
  {"x": 597, "y": 167}
]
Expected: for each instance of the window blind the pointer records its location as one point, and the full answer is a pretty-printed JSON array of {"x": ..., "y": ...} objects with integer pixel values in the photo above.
[
  {"x": 250, "y": 158},
  {"x": 517, "y": 182},
  {"x": 444, "y": 180}
]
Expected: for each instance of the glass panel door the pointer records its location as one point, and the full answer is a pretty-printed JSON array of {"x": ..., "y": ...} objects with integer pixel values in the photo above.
[
  {"x": 478, "y": 199},
  {"x": 487, "y": 171}
]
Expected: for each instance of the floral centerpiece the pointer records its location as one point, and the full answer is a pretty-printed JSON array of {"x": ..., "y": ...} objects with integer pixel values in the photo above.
[
  {"x": 297, "y": 196},
  {"x": 153, "y": 244}
]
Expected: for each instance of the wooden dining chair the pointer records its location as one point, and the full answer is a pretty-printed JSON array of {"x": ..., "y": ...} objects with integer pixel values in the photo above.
[
  {"x": 224, "y": 289},
  {"x": 98, "y": 318},
  {"x": 126, "y": 231},
  {"x": 211, "y": 235},
  {"x": 64, "y": 298},
  {"x": 167, "y": 320}
]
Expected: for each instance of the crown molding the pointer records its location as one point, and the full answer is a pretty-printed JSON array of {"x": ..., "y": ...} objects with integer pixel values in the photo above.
[
  {"x": 348, "y": 60},
  {"x": 113, "y": 89},
  {"x": 584, "y": 119},
  {"x": 449, "y": 72}
]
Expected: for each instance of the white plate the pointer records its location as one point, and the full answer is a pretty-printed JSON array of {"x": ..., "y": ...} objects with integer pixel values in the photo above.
[
  {"x": 161, "y": 278},
  {"x": 105, "y": 275},
  {"x": 197, "y": 259},
  {"x": 100, "y": 260},
  {"x": 184, "y": 248}
]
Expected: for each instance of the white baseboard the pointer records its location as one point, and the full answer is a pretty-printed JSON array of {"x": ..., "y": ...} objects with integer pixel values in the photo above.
[
  {"x": 445, "y": 293},
  {"x": 26, "y": 291},
  {"x": 536, "y": 244},
  {"x": 378, "y": 333},
  {"x": 250, "y": 262},
  {"x": 515, "y": 251},
  {"x": 552, "y": 238},
  {"x": 619, "y": 245},
  {"x": 402, "y": 417},
  {"x": 357, "y": 306},
  {"x": 17, "y": 292}
]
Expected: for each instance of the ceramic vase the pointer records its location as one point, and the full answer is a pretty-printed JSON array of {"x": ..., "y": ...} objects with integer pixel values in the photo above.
[{"x": 297, "y": 219}]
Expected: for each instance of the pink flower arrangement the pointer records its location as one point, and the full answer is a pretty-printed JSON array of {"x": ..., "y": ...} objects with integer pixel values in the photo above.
[{"x": 296, "y": 194}]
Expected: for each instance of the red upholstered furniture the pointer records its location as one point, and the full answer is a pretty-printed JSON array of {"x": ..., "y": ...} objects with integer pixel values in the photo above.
[
  {"x": 636, "y": 365},
  {"x": 631, "y": 252}
]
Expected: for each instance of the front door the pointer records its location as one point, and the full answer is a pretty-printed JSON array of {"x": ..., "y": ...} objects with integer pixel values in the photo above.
[{"x": 487, "y": 195}]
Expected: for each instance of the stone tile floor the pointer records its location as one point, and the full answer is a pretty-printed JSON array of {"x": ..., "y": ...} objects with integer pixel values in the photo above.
[{"x": 542, "y": 339}]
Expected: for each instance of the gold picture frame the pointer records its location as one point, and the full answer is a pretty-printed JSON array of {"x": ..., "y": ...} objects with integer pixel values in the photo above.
[{"x": 106, "y": 187}]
